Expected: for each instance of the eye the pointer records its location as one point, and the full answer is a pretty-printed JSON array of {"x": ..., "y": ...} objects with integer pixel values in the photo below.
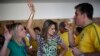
[
  {"x": 75, "y": 14},
  {"x": 22, "y": 29}
]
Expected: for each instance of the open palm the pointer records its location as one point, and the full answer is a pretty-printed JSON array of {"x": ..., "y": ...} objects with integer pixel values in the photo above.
[{"x": 7, "y": 34}]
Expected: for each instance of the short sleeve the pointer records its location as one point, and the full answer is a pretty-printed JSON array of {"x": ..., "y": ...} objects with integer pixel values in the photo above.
[
  {"x": 59, "y": 40},
  {"x": 39, "y": 39},
  {"x": 97, "y": 38}
]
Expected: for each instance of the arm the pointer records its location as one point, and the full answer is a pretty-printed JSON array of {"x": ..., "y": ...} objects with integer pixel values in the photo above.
[
  {"x": 71, "y": 38},
  {"x": 70, "y": 34},
  {"x": 30, "y": 20},
  {"x": 77, "y": 52},
  {"x": 7, "y": 35},
  {"x": 64, "y": 49},
  {"x": 4, "y": 50}
]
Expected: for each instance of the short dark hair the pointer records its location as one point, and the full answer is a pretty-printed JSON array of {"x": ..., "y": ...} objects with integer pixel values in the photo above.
[
  {"x": 62, "y": 26},
  {"x": 85, "y": 8},
  {"x": 37, "y": 28}
]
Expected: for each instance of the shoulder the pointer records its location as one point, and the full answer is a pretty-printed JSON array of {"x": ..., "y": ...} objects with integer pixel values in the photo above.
[
  {"x": 12, "y": 44},
  {"x": 91, "y": 28}
]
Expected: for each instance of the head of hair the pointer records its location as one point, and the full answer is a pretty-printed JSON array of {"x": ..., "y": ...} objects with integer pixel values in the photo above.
[
  {"x": 13, "y": 27},
  {"x": 85, "y": 8},
  {"x": 46, "y": 26},
  {"x": 62, "y": 26},
  {"x": 37, "y": 28}
]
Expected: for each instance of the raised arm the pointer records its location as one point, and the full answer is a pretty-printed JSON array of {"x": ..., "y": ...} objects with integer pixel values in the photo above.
[
  {"x": 70, "y": 35},
  {"x": 4, "y": 50},
  {"x": 30, "y": 20}
]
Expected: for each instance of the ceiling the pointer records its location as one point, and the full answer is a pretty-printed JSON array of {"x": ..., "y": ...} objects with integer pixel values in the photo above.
[{"x": 23, "y": 1}]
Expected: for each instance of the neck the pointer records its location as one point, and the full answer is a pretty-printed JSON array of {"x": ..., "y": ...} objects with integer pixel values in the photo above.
[
  {"x": 63, "y": 31},
  {"x": 87, "y": 22},
  {"x": 48, "y": 36},
  {"x": 18, "y": 40}
]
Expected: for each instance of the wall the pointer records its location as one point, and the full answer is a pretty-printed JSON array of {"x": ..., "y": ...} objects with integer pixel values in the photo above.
[{"x": 20, "y": 11}]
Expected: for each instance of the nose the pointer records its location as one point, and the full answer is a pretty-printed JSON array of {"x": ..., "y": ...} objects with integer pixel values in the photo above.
[
  {"x": 24, "y": 31},
  {"x": 54, "y": 30},
  {"x": 74, "y": 17}
]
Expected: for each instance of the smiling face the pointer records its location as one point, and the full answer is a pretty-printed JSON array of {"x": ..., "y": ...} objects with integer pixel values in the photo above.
[{"x": 51, "y": 30}]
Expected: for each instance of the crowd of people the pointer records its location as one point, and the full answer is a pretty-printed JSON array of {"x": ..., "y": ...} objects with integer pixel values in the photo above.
[{"x": 51, "y": 40}]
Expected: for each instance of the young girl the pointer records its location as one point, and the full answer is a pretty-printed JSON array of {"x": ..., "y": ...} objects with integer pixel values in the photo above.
[
  {"x": 49, "y": 39},
  {"x": 13, "y": 41}
]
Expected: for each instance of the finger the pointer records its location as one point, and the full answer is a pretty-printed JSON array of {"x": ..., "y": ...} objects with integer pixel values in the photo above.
[
  {"x": 29, "y": 7},
  {"x": 30, "y": 1},
  {"x": 5, "y": 28},
  {"x": 30, "y": 4}
]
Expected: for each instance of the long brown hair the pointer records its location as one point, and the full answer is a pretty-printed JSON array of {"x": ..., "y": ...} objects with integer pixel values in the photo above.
[{"x": 46, "y": 26}]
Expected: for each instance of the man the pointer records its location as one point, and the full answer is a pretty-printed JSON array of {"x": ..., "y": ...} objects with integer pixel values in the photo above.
[
  {"x": 64, "y": 37},
  {"x": 88, "y": 41}
]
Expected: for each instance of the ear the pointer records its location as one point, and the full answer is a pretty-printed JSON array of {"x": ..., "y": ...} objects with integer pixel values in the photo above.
[{"x": 84, "y": 15}]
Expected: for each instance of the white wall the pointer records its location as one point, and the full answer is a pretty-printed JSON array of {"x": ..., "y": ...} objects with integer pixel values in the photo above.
[{"x": 20, "y": 11}]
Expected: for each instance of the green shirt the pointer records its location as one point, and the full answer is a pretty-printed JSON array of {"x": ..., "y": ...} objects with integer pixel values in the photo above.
[{"x": 16, "y": 50}]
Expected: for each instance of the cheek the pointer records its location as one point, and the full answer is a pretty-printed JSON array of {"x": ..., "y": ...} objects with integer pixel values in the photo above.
[
  {"x": 22, "y": 34},
  {"x": 78, "y": 19},
  {"x": 49, "y": 31}
]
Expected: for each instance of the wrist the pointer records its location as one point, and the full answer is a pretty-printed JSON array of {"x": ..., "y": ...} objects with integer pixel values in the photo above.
[
  {"x": 72, "y": 46},
  {"x": 6, "y": 41}
]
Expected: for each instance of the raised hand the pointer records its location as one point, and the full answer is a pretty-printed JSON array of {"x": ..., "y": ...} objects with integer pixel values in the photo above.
[
  {"x": 69, "y": 26},
  {"x": 7, "y": 34},
  {"x": 30, "y": 20},
  {"x": 71, "y": 38},
  {"x": 76, "y": 51},
  {"x": 31, "y": 6}
]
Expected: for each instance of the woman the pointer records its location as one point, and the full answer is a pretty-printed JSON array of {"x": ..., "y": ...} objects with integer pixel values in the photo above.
[
  {"x": 49, "y": 39},
  {"x": 13, "y": 45}
]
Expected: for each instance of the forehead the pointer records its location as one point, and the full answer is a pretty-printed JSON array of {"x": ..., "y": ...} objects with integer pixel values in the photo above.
[
  {"x": 52, "y": 26},
  {"x": 20, "y": 27},
  {"x": 77, "y": 11}
]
